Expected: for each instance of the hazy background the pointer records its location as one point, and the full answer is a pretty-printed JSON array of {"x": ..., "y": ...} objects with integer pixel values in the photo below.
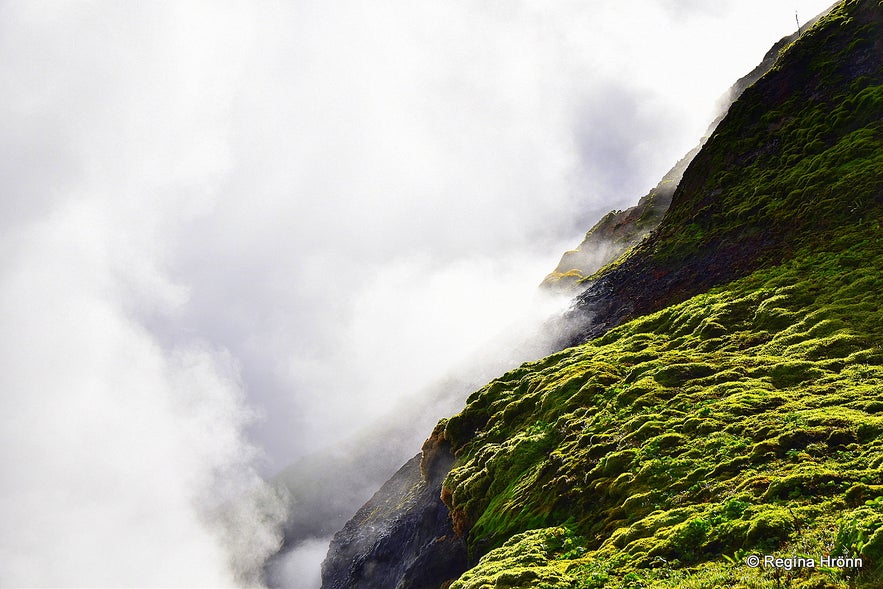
[{"x": 232, "y": 233}]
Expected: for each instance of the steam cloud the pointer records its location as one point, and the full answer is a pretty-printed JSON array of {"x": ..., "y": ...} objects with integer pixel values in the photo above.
[{"x": 232, "y": 233}]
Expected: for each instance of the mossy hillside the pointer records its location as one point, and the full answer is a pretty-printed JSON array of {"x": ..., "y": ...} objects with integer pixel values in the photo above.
[
  {"x": 743, "y": 419},
  {"x": 746, "y": 419},
  {"x": 798, "y": 156},
  {"x": 620, "y": 230},
  {"x": 793, "y": 146}
]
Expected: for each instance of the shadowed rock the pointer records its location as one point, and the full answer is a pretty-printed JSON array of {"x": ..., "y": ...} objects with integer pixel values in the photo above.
[{"x": 402, "y": 537}]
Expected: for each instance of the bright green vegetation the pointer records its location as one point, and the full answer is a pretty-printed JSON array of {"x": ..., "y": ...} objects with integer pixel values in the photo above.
[
  {"x": 795, "y": 157},
  {"x": 744, "y": 420}
]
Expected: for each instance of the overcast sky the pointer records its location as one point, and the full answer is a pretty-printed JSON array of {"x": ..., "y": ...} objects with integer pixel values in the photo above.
[{"x": 230, "y": 233}]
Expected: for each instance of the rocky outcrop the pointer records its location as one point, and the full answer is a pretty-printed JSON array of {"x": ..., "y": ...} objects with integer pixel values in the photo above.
[
  {"x": 616, "y": 232},
  {"x": 402, "y": 538}
]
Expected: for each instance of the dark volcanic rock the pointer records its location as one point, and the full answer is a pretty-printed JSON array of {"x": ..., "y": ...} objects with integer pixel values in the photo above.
[
  {"x": 402, "y": 538},
  {"x": 633, "y": 289}
]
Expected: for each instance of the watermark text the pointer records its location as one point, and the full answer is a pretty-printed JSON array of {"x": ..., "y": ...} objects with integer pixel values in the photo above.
[{"x": 768, "y": 561}]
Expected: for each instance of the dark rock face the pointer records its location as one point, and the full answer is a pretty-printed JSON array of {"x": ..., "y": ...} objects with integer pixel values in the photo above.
[
  {"x": 634, "y": 289},
  {"x": 402, "y": 538},
  {"x": 326, "y": 489}
]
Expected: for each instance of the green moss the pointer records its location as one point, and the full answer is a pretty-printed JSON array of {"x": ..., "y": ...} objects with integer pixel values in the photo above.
[
  {"x": 744, "y": 419},
  {"x": 653, "y": 448},
  {"x": 618, "y": 435},
  {"x": 533, "y": 559}
]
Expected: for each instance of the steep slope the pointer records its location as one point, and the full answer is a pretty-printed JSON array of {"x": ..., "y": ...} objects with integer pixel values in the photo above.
[
  {"x": 743, "y": 419},
  {"x": 796, "y": 158},
  {"x": 618, "y": 231},
  {"x": 729, "y": 397}
]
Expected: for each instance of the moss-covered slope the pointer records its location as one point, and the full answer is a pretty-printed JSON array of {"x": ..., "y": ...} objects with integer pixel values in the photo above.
[
  {"x": 796, "y": 158},
  {"x": 707, "y": 425},
  {"x": 747, "y": 418},
  {"x": 619, "y": 230}
]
